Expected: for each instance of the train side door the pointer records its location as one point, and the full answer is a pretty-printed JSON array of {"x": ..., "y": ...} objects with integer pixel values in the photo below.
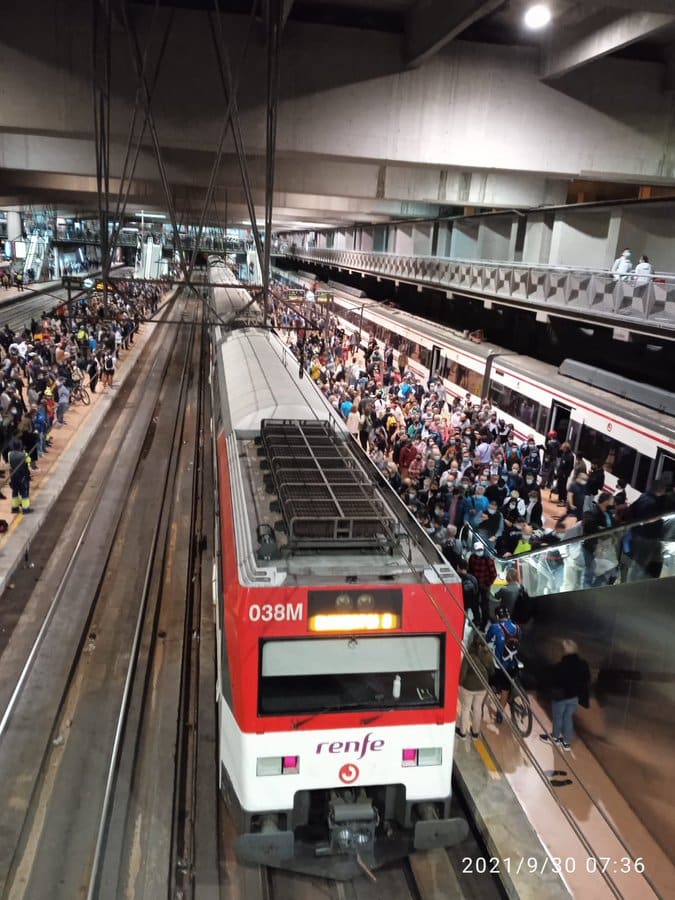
[
  {"x": 664, "y": 466},
  {"x": 560, "y": 419}
]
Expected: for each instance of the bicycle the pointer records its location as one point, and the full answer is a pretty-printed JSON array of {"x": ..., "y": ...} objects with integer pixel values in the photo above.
[
  {"x": 79, "y": 392},
  {"x": 517, "y": 703}
]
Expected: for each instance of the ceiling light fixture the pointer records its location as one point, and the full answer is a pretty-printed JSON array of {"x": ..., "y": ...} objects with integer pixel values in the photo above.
[{"x": 537, "y": 16}]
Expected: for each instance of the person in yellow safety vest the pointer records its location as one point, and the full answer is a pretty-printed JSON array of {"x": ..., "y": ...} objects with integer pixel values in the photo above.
[{"x": 19, "y": 476}]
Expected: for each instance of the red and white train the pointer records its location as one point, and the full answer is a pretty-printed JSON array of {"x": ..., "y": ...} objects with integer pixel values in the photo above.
[{"x": 339, "y": 628}]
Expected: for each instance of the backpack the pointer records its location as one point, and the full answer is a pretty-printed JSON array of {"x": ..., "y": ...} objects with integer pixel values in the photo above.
[
  {"x": 108, "y": 364},
  {"x": 511, "y": 645},
  {"x": 469, "y": 589},
  {"x": 524, "y": 609}
]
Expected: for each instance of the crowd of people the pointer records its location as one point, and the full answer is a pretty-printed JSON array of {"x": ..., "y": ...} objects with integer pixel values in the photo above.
[
  {"x": 455, "y": 462},
  {"x": 44, "y": 363}
]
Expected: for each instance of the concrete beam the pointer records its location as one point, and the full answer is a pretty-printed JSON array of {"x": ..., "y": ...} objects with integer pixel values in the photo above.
[
  {"x": 408, "y": 191},
  {"x": 652, "y": 6},
  {"x": 606, "y": 39},
  {"x": 431, "y": 24}
]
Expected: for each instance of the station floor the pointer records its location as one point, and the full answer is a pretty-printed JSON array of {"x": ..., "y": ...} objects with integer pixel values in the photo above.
[{"x": 612, "y": 833}]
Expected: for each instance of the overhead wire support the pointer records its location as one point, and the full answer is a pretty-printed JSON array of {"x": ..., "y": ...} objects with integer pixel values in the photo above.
[
  {"x": 226, "y": 82},
  {"x": 227, "y": 122},
  {"x": 101, "y": 46},
  {"x": 129, "y": 168},
  {"x": 150, "y": 120},
  {"x": 274, "y": 10}
]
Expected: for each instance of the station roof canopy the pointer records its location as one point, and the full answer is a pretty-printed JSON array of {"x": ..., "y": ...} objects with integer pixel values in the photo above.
[{"x": 387, "y": 109}]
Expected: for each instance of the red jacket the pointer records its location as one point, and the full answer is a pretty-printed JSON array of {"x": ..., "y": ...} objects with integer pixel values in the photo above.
[{"x": 483, "y": 569}]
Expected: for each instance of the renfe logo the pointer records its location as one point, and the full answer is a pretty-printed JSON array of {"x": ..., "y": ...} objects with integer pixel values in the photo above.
[{"x": 351, "y": 746}]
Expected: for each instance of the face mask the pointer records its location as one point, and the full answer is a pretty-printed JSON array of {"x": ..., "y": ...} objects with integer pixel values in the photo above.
[
  {"x": 529, "y": 480},
  {"x": 479, "y": 552},
  {"x": 491, "y": 511},
  {"x": 626, "y": 253}
]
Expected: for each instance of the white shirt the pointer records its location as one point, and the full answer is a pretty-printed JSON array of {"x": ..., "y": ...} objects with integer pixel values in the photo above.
[{"x": 643, "y": 272}]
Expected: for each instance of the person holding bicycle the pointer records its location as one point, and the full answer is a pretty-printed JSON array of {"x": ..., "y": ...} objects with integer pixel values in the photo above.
[{"x": 504, "y": 635}]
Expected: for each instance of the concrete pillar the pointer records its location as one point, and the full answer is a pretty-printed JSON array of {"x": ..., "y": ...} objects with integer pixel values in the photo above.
[
  {"x": 367, "y": 240},
  {"x": 493, "y": 239},
  {"x": 584, "y": 238},
  {"x": 537, "y": 245},
  {"x": 14, "y": 226},
  {"x": 614, "y": 247},
  {"x": 422, "y": 237},
  {"x": 445, "y": 247},
  {"x": 403, "y": 240},
  {"x": 513, "y": 238},
  {"x": 464, "y": 243}
]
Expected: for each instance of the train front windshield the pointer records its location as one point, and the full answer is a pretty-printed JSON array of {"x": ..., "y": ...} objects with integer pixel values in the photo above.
[{"x": 350, "y": 673}]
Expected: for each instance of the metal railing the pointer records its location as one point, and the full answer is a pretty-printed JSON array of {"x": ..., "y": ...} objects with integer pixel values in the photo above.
[
  {"x": 635, "y": 551},
  {"x": 626, "y": 301}
]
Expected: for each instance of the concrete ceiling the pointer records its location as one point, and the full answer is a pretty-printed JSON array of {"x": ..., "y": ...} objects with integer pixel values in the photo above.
[{"x": 389, "y": 109}]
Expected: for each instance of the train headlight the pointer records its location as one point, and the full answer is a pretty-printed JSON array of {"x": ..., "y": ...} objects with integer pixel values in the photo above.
[
  {"x": 343, "y": 602},
  {"x": 422, "y": 756},
  {"x": 365, "y": 602}
]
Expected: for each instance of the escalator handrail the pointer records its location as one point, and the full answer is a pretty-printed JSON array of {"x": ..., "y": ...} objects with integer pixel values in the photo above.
[{"x": 624, "y": 528}]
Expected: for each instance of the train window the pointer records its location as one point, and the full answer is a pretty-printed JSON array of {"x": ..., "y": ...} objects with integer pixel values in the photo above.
[
  {"x": 613, "y": 456},
  {"x": 640, "y": 480},
  {"x": 308, "y": 676},
  {"x": 516, "y": 405}
]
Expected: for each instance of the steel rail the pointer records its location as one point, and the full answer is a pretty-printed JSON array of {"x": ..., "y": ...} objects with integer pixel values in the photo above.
[
  {"x": 141, "y": 618},
  {"x": 49, "y": 615}
]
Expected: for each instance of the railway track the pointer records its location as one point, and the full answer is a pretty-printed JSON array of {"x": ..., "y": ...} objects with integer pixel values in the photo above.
[
  {"x": 108, "y": 763},
  {"x": 90, "y": 738},
  {"x": 427, "y": 875}
]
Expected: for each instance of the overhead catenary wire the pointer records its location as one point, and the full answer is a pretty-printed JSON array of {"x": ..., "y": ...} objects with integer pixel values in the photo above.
[
  {"x": 273, "y": 46},
  {"x": 126, "y": 180},
  {"x": 226, "y": 83},
  {"x": 226, "y": 124}
]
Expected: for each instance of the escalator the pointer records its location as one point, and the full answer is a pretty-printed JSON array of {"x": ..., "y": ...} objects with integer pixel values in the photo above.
[
  {"x": 630, "y": 553},
  {"x": 613, "y": 594}
]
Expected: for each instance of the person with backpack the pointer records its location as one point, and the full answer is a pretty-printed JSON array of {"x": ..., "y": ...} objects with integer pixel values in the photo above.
[
  {"x": 470, "y": 591},
  {"x": 108, "y": 370},
  {"x": 19, "y": 476},
  {"x": 477, "y": 670},
  {"x": 482, "y": 567},
  {"x": 505, "y": 637}
]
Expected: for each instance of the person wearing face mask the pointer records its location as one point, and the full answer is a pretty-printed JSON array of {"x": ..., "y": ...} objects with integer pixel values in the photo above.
[
  {"x": 531, "y": 485},
  {"x": 622, "y": 266},
  {"x": 514, "y": 480},
  {"x": 491, "y": 527},
  {"x": 576, "y": 496},
  {"x": 534, "y": 512},
  {"x": 531, "y": 457},
  {"x": 483, "y": 569},
  {"x": 496, "y": 490}
]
